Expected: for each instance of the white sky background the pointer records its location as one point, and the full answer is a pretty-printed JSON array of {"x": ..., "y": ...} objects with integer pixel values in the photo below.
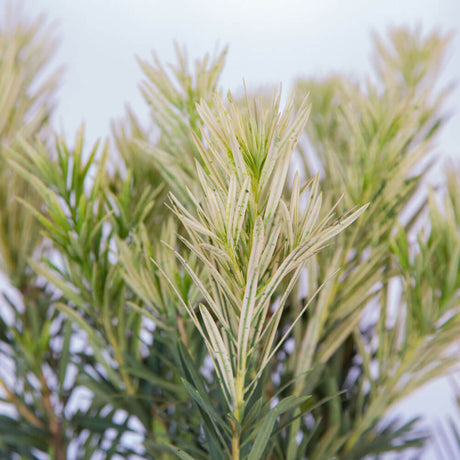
[{"x": 269, "y": 42}]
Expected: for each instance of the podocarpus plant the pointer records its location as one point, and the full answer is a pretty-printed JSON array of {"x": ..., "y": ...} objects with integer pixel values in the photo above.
[{"x": 212, "y": 295}]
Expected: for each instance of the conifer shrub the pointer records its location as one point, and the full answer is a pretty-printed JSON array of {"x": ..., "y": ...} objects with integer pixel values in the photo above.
[{"x": 248, "y": 279}]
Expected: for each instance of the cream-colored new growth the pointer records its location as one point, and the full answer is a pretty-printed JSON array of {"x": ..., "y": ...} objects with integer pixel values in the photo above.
[{"x": 253, "y": 243}]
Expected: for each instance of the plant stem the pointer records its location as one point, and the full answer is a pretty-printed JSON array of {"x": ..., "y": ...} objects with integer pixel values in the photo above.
[
  {"x": 235, "y": 444},
  {"x": 21, "y": 407},
  {"x": 54, "y": 425},
  {"x": 238, "y": 413}
]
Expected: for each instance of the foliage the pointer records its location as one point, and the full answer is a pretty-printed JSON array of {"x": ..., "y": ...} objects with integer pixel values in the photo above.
[{"x": 210, "y": 292}]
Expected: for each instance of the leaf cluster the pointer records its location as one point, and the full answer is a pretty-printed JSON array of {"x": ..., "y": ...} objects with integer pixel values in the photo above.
[{"x": 244, "y": 280}]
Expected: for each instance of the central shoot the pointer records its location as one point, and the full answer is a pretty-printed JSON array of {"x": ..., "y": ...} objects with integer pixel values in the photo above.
[{"x": 253, "y": 242}]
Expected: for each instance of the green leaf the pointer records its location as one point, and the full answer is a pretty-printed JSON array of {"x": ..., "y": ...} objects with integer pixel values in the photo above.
[
  {"x": 169, "y": 448},
  {"x": 265, "y": 428},
  {"x": 220, "y": 352}
]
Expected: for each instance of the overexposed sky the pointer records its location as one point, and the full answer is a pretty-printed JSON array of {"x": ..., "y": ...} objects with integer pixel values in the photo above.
[{"x": 269, "y": 42}]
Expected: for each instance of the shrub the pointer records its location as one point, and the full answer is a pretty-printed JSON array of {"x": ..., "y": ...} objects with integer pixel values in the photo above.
[{"x": 239, "y": 283}]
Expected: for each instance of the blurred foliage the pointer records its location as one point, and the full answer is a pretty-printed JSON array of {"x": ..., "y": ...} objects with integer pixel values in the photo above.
[{"x": 188, "y": 292}]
